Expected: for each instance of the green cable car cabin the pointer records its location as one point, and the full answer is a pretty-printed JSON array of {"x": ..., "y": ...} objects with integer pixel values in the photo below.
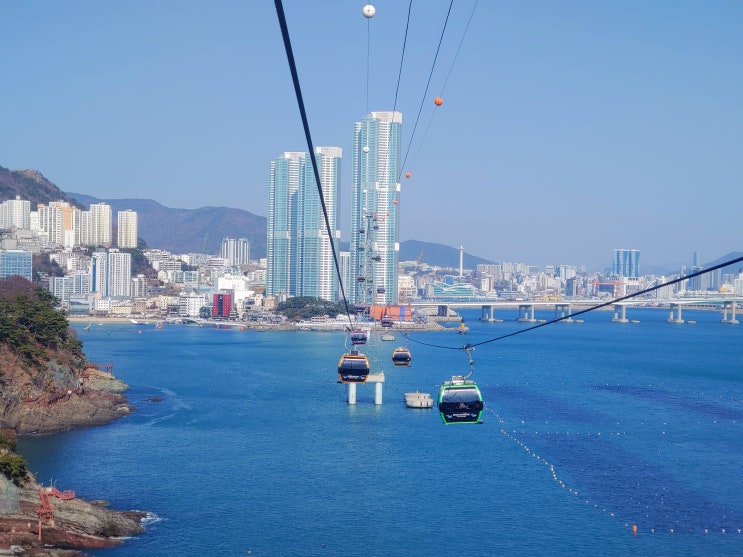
[{"x": 460, "y": 401}]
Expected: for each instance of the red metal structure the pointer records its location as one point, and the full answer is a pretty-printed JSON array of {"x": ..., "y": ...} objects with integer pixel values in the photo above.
[{"x": 45, "y": 509}]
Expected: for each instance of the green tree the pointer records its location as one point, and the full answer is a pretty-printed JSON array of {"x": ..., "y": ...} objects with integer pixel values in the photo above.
[{"x": 13, "y": 467}]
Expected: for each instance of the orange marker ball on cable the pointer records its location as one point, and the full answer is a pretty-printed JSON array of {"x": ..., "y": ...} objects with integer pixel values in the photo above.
[
  {"x": 408, "y": 174},
  {"x": 438, "y": 101}
]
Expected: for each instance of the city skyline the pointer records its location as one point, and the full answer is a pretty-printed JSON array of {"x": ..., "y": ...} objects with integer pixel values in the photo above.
[{"x": 562, "y": 125}]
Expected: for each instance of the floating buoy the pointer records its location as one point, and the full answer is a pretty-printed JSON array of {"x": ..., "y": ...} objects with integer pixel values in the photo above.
[
  {"x": 368, "y": 11},
  {"x": 634, "y": 528},
  {"x": 438, "y": 101},
  {"x": 408, "y": 174}
]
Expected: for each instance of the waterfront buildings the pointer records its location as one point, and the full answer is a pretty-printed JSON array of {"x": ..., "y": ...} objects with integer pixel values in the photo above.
[
  {"x": 299, "y": 253},
  {"x": 111, "y": 273},
  {"x": 374, "y": 209}
]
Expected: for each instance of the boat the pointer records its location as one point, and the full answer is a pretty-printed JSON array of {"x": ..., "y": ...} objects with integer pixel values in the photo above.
[
  {"x": 388, "y": 337},
  {"x": 87, "y": 327},
  {"x": 418, "y": 400}
]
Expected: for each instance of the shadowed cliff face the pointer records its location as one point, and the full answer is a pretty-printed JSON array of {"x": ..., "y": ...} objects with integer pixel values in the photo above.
[{"x": 56, "y": 397}]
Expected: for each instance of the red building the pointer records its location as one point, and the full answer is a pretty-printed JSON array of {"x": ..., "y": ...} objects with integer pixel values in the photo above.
[{"x": 221, "y": 306}]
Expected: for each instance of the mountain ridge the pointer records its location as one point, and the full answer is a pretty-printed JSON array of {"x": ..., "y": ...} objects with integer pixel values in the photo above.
[{"x": 202, "y": 229}]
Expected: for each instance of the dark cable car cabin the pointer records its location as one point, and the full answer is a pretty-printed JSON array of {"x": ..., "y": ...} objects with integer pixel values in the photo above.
[
  {"x": 353, "y": 367},
  {"x": 359, "y": 307},
  {"x": 386, "y": 321},
  {"x": 380, "y": 289},
  {"x": 361, "y": 278},
  {"x": 460, "y": 401},
  {"x": 401, "y": 357},
  {"x": 358, "y": 336}
]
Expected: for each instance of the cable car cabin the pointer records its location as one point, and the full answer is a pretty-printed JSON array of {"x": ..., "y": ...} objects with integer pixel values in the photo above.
[
  {"x": 358, "y": 336},
  {"x": 401, "y": 357},
  {"x": 380, "y": 289},
  {"x": 361, "y": 278},
  {"x": 460, "y": 401},
  {"x": 359, "y": 307},
  {"x": 353, "y": 367},
  {"x": 386, "y": 321}
]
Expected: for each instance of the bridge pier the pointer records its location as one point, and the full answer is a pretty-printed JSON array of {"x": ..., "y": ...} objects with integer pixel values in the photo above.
[
  {"x": 732, "y": 320},
  {"x": 677, "y": 318},
  {"x": 378, "y": 380},
  {"x": 616, "y": 318},
  {"x": 526, "y": 313},
  {"x": 560, "y": 311}
]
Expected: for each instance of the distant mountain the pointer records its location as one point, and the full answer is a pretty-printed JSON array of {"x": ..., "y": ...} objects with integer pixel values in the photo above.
[
  {"x": 32, "y": 186},
  {"x": 733, "y": 269},
  {"x": 183, "y": 230},
  {"x": 437, "y": 255}
]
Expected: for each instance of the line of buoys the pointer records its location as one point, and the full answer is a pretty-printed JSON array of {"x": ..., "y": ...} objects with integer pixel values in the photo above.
[{"x": 553, "y": 472}]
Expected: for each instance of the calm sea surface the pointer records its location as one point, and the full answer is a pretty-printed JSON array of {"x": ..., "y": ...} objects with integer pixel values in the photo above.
[{"x": 589, "y": 429}]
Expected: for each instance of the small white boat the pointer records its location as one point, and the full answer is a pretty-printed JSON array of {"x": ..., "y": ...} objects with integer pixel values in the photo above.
[
  {"x": 418, "y": 400},
  {"x": 388, "y": 337}
]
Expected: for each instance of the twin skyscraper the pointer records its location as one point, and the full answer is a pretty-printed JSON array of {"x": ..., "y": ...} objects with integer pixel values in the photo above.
[{"x": 299, "y": 252}]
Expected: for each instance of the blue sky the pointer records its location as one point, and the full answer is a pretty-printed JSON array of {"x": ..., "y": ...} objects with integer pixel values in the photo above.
[{"x": 568, "y": 129}]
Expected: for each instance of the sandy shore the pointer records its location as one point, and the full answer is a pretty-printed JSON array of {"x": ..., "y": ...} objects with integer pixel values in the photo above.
[{"x": 91, "y": 319}]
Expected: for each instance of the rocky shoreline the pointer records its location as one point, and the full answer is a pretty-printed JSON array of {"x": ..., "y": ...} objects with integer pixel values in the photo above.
[{"x": 41, "y": 521}]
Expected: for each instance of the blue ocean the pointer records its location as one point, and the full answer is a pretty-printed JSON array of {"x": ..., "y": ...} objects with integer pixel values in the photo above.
[{"x": 598, "y": 438}]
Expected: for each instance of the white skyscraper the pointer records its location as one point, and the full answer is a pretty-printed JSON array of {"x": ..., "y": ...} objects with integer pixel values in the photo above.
[
  {"x": 15, "y": 213},
  {"x": 101, "y": 224},
  {"x": 375, "y": 211},
  {"x": 236, "y": 251},
  {"x": 119, "y": 274},
  {"x": 127, "y": 229}
]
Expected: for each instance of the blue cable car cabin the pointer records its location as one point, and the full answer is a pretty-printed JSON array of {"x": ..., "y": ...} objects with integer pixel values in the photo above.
[
  {"x": 358, "y": 336},
  {"x": 386, "y": 321},
  {"x": 353, "y": 367},
  {"x": 460, "y": 401},
  {"x": 401, "y": 357}
]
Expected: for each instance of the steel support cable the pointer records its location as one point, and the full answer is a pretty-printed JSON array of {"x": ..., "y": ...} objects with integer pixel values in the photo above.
[
  {"x": 308, "y": 136},
  {"x": 448, "y": 75},
  {"x": 581, "y": 312},
  {"x": 428, "y": 84},
  {"x": 402, "y": 56}
]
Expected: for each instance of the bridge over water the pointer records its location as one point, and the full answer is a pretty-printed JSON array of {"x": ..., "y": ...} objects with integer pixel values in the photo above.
[{"x": 564, "y": 309}]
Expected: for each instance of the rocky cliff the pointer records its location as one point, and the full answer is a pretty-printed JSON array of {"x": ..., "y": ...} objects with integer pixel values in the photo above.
[{"x": 47, "y": 386}]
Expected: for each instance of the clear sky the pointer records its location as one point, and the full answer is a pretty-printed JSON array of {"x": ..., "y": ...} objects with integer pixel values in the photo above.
[{"x": 568, "y": 129}]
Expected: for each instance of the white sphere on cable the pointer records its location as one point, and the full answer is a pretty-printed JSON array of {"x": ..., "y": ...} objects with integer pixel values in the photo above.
[
  {"x": 365, "y": 149},
  {"x": 368, "y": 11}
]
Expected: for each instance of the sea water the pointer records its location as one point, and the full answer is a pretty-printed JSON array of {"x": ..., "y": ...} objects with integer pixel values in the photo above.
[{"x": 243, "y": 442}]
